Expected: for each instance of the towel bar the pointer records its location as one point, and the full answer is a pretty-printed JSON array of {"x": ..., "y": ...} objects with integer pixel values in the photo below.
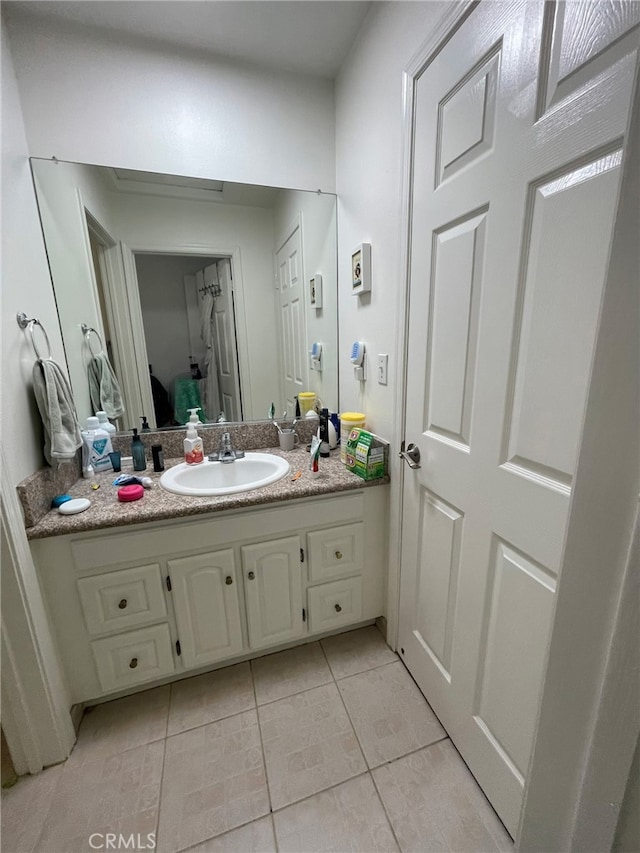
[
  {"x": 30, "y": 323},
  {"x": 86, "y": 331}
]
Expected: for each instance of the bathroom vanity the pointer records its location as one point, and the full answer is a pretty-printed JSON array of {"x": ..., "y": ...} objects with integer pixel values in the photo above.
[{"x": 155, "y": 601}]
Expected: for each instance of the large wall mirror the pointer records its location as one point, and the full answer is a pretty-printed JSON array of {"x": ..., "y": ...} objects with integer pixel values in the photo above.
[{"x": 197, "y": 292}]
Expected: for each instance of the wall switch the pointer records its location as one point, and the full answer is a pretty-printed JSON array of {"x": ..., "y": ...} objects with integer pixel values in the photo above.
[{"x": 383, "y": 364}]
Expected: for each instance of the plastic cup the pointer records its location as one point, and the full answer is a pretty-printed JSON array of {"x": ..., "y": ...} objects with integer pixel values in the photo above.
[{"x": 307, "y": 400}]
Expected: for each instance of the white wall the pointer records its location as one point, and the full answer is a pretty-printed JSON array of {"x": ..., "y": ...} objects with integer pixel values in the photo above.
[
  {"x": 65, "y": 191},
  {"x": 163, "y": 224},
  {"x": 319, "y": 253},
  {"x": 368, "y": 182},
  {"x": 26, "y": 286},
  {"x": 164, "y": 314},
  {"x": 113, "y": 101}
]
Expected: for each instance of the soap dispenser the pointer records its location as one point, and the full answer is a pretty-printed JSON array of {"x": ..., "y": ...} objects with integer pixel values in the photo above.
[
  {"x": 193, "y": 447},
  {"x": 137, "y": 452}
]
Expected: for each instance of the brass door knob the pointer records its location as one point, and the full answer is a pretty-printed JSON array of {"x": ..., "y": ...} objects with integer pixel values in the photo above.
[
  {"x": 251, "y": 575},
  {"x": 228, "y": 580},
  {"x": 122, "y": 603},
  {"x": 338, "y": 555},
  {"x": 338, "y": 608},
  {"x": 133, "y": 663}
]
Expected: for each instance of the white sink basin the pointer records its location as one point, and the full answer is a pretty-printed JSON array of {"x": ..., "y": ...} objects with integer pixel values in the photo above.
[{"x": 253, "y": 471}]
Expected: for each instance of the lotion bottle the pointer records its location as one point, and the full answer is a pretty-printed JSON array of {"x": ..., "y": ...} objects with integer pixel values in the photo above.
[
  {"x": 105, "y": 423},
  {"x": 193, "y": 447},
  {"x": 96, "y": 447},
  {"x": 137, "y": 452}
]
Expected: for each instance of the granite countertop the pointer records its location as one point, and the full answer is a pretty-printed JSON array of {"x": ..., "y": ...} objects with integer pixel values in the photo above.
[{"x": 157, "y": 504}]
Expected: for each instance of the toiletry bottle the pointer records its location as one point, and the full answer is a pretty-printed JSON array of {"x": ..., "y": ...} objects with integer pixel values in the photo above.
[
  {"x": 323, "y": 433},
  {"x": 96, "y": 447},
  {"x": 137, "y": 451},
  {"x": 145, "y": 424},
  {"x": 105, "y": 423},
  {"x": 193, "y": 447},
  {"x": 158, "y": 458}
]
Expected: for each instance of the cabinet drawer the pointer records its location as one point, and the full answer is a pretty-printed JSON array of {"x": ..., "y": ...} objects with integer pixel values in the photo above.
[
  {"x": 118, "y": 600},
  {"x": 334, "y": 604},
  {"x": 134, "y": 657},
  {"x": 336, "y": 551}
]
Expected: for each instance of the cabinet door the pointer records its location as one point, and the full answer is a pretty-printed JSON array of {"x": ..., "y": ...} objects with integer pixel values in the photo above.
[
  {"x": 273, "y": 590},
  {"x": 205, "y": 600}
]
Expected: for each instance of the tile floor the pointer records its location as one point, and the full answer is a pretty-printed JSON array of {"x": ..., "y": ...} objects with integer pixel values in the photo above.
[{"x": 325, "y": 747}]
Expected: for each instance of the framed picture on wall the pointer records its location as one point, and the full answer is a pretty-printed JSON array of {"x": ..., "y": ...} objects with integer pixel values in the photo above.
[
  {"x": 361, "y": 269},
  {"x": 315, "y": 291}
]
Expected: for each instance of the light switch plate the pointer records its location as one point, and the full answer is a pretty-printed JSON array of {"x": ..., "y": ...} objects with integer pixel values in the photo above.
[{"x": 383, "y": 364}]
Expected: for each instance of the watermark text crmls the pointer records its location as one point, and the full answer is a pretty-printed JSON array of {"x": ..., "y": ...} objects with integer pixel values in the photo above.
[{"x": 120, "y": 841}]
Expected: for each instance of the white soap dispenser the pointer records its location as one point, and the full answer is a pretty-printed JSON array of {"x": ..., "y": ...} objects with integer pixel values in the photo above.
[{"x": 193, "y": 447}]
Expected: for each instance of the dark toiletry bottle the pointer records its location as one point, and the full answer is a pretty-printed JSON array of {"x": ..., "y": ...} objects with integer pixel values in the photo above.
[
  {"x": 137, "y": 452},
  {"x": 324, "y": 433},
  {"x": 158, "y": 458},
  {"x": 297, "y": 407},
  {"x": 145, "y": 424}
]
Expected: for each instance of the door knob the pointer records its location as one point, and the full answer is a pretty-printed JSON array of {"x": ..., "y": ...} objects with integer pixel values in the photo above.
[
  {"x": 251, "y": 576},
  {"x": 228, "y": 580},
  {"x": 133, "y": 663},
  {"x": 411, "y": 456},
  {"x": 338, "y": 608},
  {"x": 122, "y": 603}
]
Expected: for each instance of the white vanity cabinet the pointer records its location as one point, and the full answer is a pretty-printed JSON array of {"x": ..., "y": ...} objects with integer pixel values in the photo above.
[
  {"x": 204, "y": 591},
  {"x": 273, "y": 591},
  {"x": 131, "y": 606}
]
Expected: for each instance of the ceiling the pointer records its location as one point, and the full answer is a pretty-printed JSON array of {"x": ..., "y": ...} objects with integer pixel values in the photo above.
[{"x": 302, "y": 36}]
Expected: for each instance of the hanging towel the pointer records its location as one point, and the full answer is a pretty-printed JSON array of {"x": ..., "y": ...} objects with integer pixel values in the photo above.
[
  {"x": 103, "y": 387},
  {"x": 55, "y": 401}
]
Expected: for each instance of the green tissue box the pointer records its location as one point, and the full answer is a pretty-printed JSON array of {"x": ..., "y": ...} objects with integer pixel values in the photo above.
[{"x": 366, "y": 454}]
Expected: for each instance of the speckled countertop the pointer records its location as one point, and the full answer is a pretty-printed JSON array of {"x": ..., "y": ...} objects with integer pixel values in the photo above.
[{"x": 157, "y": 504}]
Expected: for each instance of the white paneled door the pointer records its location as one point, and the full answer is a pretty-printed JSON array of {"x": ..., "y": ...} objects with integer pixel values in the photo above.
[
  {"x": 292, "y": 319},
  {"x": 225, "y": 339},
  {"x": 519, "y": 132}
]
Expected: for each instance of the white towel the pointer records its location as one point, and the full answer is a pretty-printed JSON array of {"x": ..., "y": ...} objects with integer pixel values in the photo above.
[
  {"x": 103, "y": 387},
  {"x": 62, "y": 435}
]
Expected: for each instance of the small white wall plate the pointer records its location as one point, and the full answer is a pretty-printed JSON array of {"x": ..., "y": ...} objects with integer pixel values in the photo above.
[{"x": 361, "y": 269}]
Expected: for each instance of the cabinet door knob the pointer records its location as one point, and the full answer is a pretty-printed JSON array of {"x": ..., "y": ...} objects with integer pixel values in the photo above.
[
  {"x": 251, "y": 575},
  {"x": 338, "y": 608},
  {"x": 228, "y": 580},
  {"x": 338, "y": 555},
  {"x": 122, "y": 603},
  {"x": 133, "y": 663}
]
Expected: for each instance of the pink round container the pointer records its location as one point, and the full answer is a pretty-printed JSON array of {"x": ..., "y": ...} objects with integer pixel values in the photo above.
[{"x": 130, "y": 493}]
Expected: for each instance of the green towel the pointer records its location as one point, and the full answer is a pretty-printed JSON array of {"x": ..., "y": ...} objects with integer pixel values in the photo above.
[{"x": 187, "y": 396}]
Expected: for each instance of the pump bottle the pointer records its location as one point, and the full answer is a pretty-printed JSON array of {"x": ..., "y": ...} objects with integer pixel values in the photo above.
[{"x": 193, "y": 447}]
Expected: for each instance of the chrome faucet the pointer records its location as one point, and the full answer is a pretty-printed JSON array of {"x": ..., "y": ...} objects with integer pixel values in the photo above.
[{"x": 226, "y": 452}]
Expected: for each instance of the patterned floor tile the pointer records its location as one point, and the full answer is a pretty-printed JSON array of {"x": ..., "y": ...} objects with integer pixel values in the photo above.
[
  {"x": 435, "y": 804},
  {"x": 205, "y": 698},
  {"x": 348, "y": 817},
  {"x": 309, "y": 744},
  {"x": 389, "y": 714},
  {"x": 289, "y": 672},
  {"x": 213, "y": 781},
  {"x": 357, "y": 651}
]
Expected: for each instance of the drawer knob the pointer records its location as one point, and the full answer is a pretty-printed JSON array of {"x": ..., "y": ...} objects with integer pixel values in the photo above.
[
  {"x": 133, "y": 663},
  {"x": 338, "y": 608},
  {"x": 228, "y": 580},
  {"x": 251, "y": 575},
  {"x": 338, "y": 555},
  {"x": 122, "y": 603}
]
